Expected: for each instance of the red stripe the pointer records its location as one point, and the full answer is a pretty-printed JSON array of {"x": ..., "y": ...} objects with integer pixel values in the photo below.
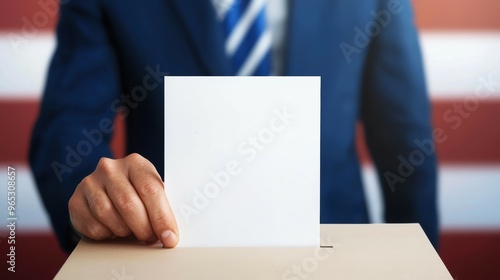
[
  {"x": 457, "y": 14},
  {"x": 475, "y": 140},
  {"x": 430, "y": 14},
  {"x": 473, "y": 137},
  {"x": 28, "y": 16},
  {"x": 470, "y": 137},
  {"x": 17, "y": 118},
  {"x": 471, "y": 255},
  {"x": 38, "y": 256}
]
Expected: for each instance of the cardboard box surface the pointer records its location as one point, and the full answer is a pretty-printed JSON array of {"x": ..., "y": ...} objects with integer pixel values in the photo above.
[{"x": 376, "y": 251}]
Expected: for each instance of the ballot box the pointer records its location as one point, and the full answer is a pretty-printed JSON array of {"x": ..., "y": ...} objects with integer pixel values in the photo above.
[{"x": 368, "y": 251}]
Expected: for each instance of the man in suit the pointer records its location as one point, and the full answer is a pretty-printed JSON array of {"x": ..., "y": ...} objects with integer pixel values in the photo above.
[{"x": 112, "y": 56}]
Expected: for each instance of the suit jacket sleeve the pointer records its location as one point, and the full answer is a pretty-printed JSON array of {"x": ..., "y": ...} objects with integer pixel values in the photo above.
[
  {"x": 396, "y": 117},
  {"x": 74, "y": 126}
]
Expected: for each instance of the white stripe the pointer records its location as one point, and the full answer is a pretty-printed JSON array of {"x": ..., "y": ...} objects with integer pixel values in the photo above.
[
  {"x": 24, "y": 63},
  {"x": 31, "y": 215},
  {"x": 258, "y": 52},
  {"x": 468, "y": 196},
  {"x": 243, "y": 25},
  {"x": 455, "y": 63}
]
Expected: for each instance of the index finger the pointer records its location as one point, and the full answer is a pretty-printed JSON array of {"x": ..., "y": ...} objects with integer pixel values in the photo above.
[{"x": 149, "y": 186}]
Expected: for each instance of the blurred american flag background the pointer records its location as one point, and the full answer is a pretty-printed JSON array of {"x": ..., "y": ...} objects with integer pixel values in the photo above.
[{"x": 461, "y": 48}]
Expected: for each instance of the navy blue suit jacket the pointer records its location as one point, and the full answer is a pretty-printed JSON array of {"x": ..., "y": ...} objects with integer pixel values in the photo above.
[{"x": 111, "y": 57}]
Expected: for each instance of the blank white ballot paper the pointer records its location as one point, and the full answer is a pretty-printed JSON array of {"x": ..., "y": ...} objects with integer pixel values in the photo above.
[{"x": 242, "y": 160}]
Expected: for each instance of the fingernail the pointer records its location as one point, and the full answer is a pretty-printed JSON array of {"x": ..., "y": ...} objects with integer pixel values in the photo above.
[{"x": 169, "y": 239}]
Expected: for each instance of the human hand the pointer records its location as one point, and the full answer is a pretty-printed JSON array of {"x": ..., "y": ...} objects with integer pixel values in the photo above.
[{"x": 122, "y": 197}]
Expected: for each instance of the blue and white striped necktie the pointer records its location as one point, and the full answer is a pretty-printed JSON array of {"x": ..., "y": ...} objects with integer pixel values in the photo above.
[{"x": 248, "y": 39}]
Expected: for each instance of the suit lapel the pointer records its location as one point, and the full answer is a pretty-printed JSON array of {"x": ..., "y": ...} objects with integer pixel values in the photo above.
[{"x": 206, "y": 33}]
